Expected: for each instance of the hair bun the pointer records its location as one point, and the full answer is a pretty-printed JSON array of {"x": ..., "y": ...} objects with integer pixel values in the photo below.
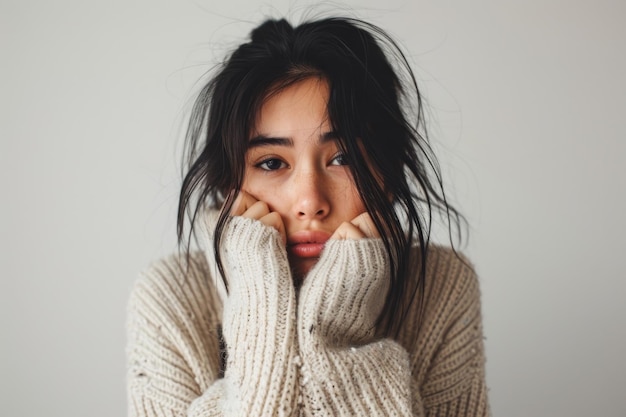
[{"x": 272, "y": 31}]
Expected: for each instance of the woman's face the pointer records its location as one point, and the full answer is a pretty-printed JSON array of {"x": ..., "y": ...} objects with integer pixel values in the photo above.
[{"x": 294, "y": 165}]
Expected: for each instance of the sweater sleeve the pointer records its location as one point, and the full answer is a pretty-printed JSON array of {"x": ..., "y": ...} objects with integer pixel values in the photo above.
[
  {"x": 345, "y": 371},
  {"x": 258, "y": 329}
]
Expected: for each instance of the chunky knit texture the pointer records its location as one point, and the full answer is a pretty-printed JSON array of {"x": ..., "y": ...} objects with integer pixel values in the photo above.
[{"x": 314, "y": 353}]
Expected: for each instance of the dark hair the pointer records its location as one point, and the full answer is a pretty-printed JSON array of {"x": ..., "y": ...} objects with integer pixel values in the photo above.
[{"x": 374, "y": 107}]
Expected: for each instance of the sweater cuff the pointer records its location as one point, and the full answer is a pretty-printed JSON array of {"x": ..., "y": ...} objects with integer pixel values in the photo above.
[
  {"x": 258, "y": 320},
  {"x": 345, "y": 372},
  {"x": 345, "y": 292}
]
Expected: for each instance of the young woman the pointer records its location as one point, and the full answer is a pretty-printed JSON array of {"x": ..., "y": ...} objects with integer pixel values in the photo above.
[{"x": 318, "y": 293}]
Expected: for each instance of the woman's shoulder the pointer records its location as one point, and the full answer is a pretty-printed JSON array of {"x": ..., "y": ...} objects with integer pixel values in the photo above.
[
  {"x": 449, "y": 271},
  {"x": 449, "y": 292},
  {"x": 445, "y": 338},
  {"x": 178, "y": 285},
  {"x": 173, "y": 333}
]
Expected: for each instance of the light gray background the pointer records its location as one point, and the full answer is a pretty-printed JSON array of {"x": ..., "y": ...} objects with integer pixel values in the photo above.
[{"x": 527, "y": 105}]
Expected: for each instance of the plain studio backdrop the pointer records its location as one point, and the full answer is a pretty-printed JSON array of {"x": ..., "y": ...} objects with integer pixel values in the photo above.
[{"x": 526, "y": 102}]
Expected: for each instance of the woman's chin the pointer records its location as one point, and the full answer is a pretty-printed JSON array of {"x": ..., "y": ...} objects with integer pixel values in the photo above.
[{"x": 300, "y": 267}]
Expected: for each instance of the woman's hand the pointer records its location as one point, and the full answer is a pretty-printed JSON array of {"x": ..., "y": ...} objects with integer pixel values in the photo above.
[
  {"x": 246, "y": 205},
  {"x": 360, "y": 227}
]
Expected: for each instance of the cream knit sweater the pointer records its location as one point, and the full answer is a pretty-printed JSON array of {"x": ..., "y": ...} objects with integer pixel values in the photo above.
[{"x": 313, "y": 353}]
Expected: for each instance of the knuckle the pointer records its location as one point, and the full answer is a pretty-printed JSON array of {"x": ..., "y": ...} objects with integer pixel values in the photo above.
[{"x": 262, "y": 206}]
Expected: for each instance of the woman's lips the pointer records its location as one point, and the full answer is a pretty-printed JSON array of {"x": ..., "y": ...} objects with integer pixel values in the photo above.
[
  {"x": 306, "y": 250},
  {"x": 307, "y": 244}
]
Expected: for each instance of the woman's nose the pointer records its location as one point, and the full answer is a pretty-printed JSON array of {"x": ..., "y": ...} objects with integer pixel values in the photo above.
[{"x": 311, "y": 196}]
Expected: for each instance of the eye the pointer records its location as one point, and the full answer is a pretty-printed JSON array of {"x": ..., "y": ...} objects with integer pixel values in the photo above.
[
  {"x": 271, "y": 164},
  {"x": 339, "y": 159}
]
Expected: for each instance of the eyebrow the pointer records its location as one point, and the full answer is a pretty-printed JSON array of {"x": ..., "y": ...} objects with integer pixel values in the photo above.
[{"x": 263, "y": 140}]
